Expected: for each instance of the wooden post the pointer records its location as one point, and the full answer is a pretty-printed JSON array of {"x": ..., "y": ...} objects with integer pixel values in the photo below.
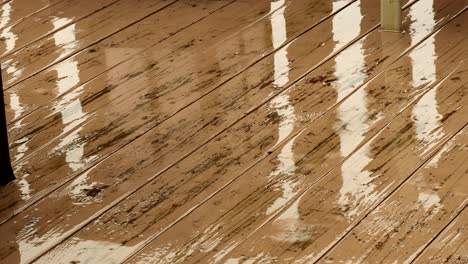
[
  {"x": 390, "y": 12},
  {"x": 6, "y": 171}
]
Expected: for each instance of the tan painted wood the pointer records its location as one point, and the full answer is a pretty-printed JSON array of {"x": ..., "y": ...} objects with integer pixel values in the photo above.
[
  {"x": 98, "y": 25},
  {"x": 95, "y": 65},
  {"x": 246, "y": 33},
  {"x": 18, "y": 10},
  {"x": 54, "y": 113},
  {"x": 109, "y": 126},
  {"x": 150, "y": 37},
  {"x": 196, "y": 177},
  {"x": 308, "y": 222},
  {"x": 252, "y": 139},
  {"x": 41, "y": 24},
  {"x": 413, "y": 216},
  {"x": 390, "y": 15},
  {"x": 452, "y": 244}
]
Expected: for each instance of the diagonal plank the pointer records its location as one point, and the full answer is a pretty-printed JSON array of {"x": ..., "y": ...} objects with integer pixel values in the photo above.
[
  {"x": 141, "y": 71},
  {"x": 61, "y": 95},
  {"x": 43, "y": 23},
  {"x": 416, "y": 212},
  {"x": 279, "y": 183},
  {"x": 188, "y": 33},
  {"x": 331, "y": 208},
  {"x": 452, "y": 244},
  {"x": 15, "y": 11},
  {"x": 192, "y": 180},
  {"x": 125, "y": 155},
  {"x": 107, "y": 132},
  {"x": 102, "y": 23},
  {"x": 80, "y": 197}
]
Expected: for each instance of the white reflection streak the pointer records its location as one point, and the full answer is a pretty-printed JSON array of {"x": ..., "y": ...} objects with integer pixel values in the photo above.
[
  {"x": 429, "y": 200},
  {"x": 88, "y": 251},
  {"x": 10, "y": 43},
  {"x": 15, "y": 103},
  {"x": 337, "y": 4},
  {"x": 282, "y": 107},
  {"x": 290, "y": 228},
  {"x": 285, "y": 111},
  {"x": 69, "y": 104},
  {"x": 8, "y": 36},
  {"x": 352, "y": 113},
  {"x": 425, "y": 115}
]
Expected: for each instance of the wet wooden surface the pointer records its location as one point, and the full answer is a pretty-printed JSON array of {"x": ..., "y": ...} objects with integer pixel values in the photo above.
[{"x": 234, "y": 131}]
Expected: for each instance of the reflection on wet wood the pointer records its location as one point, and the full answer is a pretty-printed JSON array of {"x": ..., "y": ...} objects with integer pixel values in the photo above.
[
  {"x": 104, "y": 63},
  {"x": 18, "y": 34},
  {"x": 6, "y": 174},
  {"x": 263, "y": 193},
  {"x": 117, "y": 121},
  {"x": 124, "y": 173},
  {"x": 50, "y": 119},
  {"x": 224, "y": 131},
  {"x": 100, "y": 24},
  {"x": 412, "y": 216}
]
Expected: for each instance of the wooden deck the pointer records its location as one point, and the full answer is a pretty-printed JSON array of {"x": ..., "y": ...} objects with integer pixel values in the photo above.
[{"x": 234, "y": 131}]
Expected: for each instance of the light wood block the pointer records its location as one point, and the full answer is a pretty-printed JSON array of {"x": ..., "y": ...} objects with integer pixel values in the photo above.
[{"x": 390, "y": 11}]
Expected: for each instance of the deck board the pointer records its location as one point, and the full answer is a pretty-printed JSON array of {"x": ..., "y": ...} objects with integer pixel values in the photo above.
[
  {"x": 38, "y": 25},
  {"x": 232, "y": 160},
  {"x": 46, "y": 131},
  {"x": 451, "y": 246},
  {"x": 109, "y": 17},
  {"x": 99, "y": 172},
  {"x": 14, "y": 12},
  {"x": 143, "y": 120},
  {"x": 410, "y": 220},
  {"x": 227, "y": 131},
  {"x": 65, "y": 166},
  {"x": 256, "y": 196},
  {"x": 154, "y": 39}
]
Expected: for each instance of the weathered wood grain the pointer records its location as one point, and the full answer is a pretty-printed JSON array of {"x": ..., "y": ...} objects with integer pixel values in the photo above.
[
  {"x": 110, "y": 130},
  {"x": 69, "y": 105},
  {"x": 151, "y": 37},
  {"x": 451, "y": 246},
  {"x": 102, "y": 23},
  {"x": 126, "y": 156},
  {"x": 41, "y": 24},
  {"x": 18, "y": 10},
  {"x": 202, "y": 139},
  {"x": 311, "y": 223},
  {"x": 56, "y": 94},
  {"x": 307, "y": 218},
  {"x": 411, "y": 217},
  {"x": 195, "y": 178}
]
